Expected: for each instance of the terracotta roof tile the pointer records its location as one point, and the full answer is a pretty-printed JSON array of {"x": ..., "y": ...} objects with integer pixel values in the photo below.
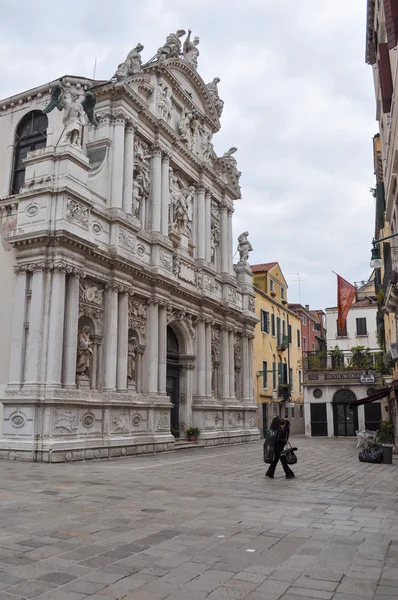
[{"x": 264, "y": 267}]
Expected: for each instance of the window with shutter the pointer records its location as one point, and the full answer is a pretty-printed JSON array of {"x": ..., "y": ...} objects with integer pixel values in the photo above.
[
  {"x": 291, "y": 378},
  {"x": 274, "y": 375},
  {"x": 385, "y": 77},
  {"x": 298, "y": 338},
  {"x": 289, "y": 330},
  {"x": 265, "y": 374},
  {"x": 267, "y": 322},
  {"x": 273, "y": 324},
  {"x": 391, "y": 22},
  {"x": 361, "y": 326},
  {"x": 344, "y": 333}
]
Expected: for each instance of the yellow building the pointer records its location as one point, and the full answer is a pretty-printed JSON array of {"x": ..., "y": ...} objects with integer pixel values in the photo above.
[{"x": 278, "y": 379}]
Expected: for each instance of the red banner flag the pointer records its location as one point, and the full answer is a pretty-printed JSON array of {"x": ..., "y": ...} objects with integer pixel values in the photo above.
[{"x": 345, "y": 296}]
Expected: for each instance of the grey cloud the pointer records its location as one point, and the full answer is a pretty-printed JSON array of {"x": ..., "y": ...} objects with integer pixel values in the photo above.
[{"x": 299, "y": 106}]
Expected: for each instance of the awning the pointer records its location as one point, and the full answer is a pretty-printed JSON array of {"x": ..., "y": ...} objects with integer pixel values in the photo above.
[{"x": 378, "y": 395}]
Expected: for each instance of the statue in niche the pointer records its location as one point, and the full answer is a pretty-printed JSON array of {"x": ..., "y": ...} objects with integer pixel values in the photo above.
[
  {"x": 138, "y": 193},
  {"x": 206, "y": 145},
  {"x": 176, "y": 265},
  {"x": 215, "y": 237},
  {"x": 164, "y": 104},
  {"x": 131, "y": 65},
  {"x": 183, "y": 210},
  {"x": 172, "y": 47},
  {"x": 212, "y": 88},
  {"x": 189, "y": 127},
  {"x": 244, "y": 247},
  {"x": 132, "y": 355},
  {"x": 190, "y": 50},
  {"x": 84, "y": 352}
]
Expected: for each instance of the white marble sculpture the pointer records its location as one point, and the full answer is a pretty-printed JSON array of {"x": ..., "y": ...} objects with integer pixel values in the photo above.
[
  {"x": 190, "y": 50},
  {"x": 172, "y": 47},
  {"x": 212, "y": 88},
  {"x": 131, "y": 65},
  {"x": 189, "y": 128},
  {"x": 244, "y": 247},
  {"x": 163, "y": 101},
  {"x": 84, "y": 352},
  {"x": 132, "y": 355}
]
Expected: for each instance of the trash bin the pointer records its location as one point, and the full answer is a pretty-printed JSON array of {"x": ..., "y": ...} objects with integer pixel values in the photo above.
[{"x": 387, "y": 454}]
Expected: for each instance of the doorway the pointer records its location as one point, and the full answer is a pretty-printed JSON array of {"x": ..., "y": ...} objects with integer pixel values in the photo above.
[
  {"x": 173, "y": 380},
  {"x": 345, "y": 416},
  {"x": 372, "y": 416},
  {"x": 319, "y": 421}
]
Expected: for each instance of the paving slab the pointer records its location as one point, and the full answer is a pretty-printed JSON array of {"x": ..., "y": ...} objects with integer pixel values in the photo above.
[{"x": 133, "y": 529}]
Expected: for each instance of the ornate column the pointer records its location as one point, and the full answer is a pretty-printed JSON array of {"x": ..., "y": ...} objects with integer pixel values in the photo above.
[
  {"x": 156, "y": 189},
  {"x": 94, "y": 363},
  {"x": 224, "y": 239},
  {"x": 165, "y": 194},
  {"x": 224, "y": 364},
  {"x": 230, "y": 242},
  {"x": 208, "y": 363},
  {"x": 118, "y": 161},
  {"x": 34, "y": 347},
  {"x": 231, "y": 340},
  {"x": 18, "y": 330},
  {"x": 201, "y": 223},
  {"x": 250, "y": 366},
  {"x": 71, "y": 332},
  {"x": 201, "y": 358},
  {"x": 111, "y": 335},
  {"x": 162, "y": 335},
  {"x": 245, "y": 368},
  {"x": 208, "y": 226},
  {"x": 122, "y": 341},
  {"x": 128, "y": 166},
  {"x": 56, "y": 326},
  {"x": 153, "y": 347}
]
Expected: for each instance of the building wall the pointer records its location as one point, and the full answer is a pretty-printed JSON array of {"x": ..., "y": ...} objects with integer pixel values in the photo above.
[
  {"x": 352, "y": 339},
  {"x": 126, "y": 298},
  {"x": 265, "y": 350}
]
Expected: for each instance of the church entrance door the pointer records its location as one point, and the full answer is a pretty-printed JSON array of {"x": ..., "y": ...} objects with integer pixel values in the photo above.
[{"x": 173, "y": 380}]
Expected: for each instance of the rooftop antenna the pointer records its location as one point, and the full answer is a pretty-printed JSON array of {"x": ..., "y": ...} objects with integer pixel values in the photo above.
[
  {"x": 95, "y": 67},
  {"x": 299, "y": 286}
]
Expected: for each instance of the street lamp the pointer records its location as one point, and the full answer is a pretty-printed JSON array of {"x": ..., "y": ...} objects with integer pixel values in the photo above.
[{"x": 376, "y": 261}]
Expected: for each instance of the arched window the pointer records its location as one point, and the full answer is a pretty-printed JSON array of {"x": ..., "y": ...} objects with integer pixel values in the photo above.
[{"x": 31, "y": 135}]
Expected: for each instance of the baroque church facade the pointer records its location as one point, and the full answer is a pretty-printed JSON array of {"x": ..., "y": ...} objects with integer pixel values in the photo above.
[{"x": 124, "y": 320}]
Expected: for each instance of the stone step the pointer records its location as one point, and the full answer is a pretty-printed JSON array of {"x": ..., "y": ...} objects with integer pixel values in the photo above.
[{"x": 185, "y": 444}]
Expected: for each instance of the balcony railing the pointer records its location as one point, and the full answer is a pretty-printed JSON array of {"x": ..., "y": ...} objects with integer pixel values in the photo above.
[
  {"x": 340, "y": 360},
  {"x": 282, "y": 341}
]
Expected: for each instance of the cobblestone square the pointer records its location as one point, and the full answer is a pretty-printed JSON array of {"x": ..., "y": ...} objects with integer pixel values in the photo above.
[{"x": 199, "y": 524}]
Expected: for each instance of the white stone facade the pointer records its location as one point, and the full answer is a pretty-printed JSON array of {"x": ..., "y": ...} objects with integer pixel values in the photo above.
[{"x": 122, "y": 312}]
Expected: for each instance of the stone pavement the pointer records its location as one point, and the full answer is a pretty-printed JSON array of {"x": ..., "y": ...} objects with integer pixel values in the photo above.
[{"x": 201, "y": 524}]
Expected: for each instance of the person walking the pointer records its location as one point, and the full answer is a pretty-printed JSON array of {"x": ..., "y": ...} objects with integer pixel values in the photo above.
[{"x": 280, "y": 429}]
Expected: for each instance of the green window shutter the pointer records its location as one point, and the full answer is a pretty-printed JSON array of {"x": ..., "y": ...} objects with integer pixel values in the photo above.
[
  {"x": 289, "y": 329},
  {"x": 267, "y": 322},
  {"x": 265, "y": 374}
]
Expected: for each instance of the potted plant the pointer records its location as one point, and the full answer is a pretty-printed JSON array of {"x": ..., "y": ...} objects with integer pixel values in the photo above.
[
  {"x": 284, "y": 390},
  {"x": 337, "y": 357},
  {"x": 385, "y": 437},
  {"x": 192, "y": 433}
]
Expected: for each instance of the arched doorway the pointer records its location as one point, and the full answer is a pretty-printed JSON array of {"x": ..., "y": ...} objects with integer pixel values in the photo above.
[
  {"x": 173, "y": 379},
  {"x": 345, "y": 417}
]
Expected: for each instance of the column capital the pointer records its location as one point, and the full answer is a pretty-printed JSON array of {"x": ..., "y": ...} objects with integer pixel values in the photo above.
[
  {"x": 119, "y": 117},
  {"x": 166, "y": 154},
  {"x": 131, "y": 125},
  {"x": 156, "y": 149},
  {"x": 200, "y": 188}
]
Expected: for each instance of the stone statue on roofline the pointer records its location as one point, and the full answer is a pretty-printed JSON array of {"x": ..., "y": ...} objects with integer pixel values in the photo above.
[
  {"x": 74, "y": 110},
  {"x": 244, "y": 247},
  {"x": 131, "y": 65},
  {"x": 172, "y": 47},
  {"x": 212, "y": 88},
  {"x": 190, "y": 50}
]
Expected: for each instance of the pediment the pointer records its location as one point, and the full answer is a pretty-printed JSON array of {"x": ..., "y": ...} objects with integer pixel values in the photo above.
[{"x": 191, "y": 87}]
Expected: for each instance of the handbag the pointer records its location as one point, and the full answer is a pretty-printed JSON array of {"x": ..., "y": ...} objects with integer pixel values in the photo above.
[{"x": 289, "y": 454}]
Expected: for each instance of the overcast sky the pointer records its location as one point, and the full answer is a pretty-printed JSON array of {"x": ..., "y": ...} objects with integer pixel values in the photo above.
[{"x": 299, "y": 105}]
